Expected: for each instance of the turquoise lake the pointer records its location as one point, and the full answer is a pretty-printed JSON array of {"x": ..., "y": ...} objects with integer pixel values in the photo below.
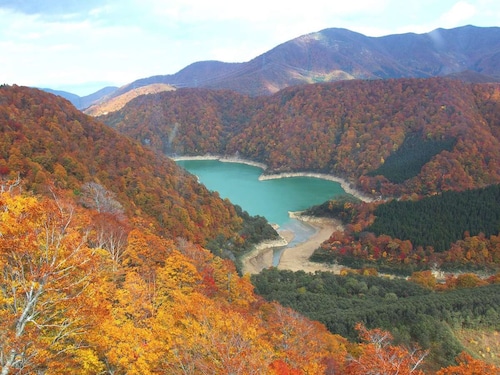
[{"x": 272, "y": 199}]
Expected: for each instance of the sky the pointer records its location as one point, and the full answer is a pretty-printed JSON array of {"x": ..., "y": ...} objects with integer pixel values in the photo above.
[{"x": 81, "y": 46}]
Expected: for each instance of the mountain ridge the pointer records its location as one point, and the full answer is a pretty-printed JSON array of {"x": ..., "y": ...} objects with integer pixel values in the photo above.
[{"x": 334, "y": 54}]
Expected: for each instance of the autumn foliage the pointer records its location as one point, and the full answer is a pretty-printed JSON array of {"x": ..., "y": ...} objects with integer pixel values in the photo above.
[
  {"x": 348, "y": 128},
  {"x": 451, "y": 231},
  {"x": 46, "y": 141},
  {"x": 49, "y": 277},
  {"x": 378, "y": 355},
  {"x": 68, "y": 306},
  {"x": 103, "y": 267},
  {"x": 467, "y": 365}
]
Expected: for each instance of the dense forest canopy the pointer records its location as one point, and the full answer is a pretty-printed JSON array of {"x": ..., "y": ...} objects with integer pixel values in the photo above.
[
  {"x": 442, "y": 219},
  {"x": 354, "y": 129},
  {"x": 407, "y": 161},
  {"x": 73, "y": 300}
]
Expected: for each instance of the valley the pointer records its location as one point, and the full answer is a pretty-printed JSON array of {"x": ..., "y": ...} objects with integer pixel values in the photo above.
[
  {"x": 114, "y": 259},
  {"x": 407, "y": 139}
]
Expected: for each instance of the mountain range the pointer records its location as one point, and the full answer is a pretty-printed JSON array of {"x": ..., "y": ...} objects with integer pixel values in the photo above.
[
  {"x": 338, "y": 54},
  {"x": 468, "y": 53}
]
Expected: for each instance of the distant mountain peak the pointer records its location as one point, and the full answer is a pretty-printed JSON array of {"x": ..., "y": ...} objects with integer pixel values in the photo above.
[
  {"x": 82, "y": 102},
  {"x": 335, "y": 54}
]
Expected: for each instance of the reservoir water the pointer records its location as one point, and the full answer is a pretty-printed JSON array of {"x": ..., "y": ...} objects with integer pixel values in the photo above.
[{"x": 272, "y": 199}]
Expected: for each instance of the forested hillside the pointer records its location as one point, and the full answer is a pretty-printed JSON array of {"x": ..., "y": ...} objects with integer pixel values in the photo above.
[
  {"x": 354, "y": 129},
  {"x": 73, "y": 299},
  {"x": 46, "y": 141},
  {"x": 77, "y": 297},
  {"x": 102, "y": 268},
  {"x": 441, "y": 220},
  {"x": 101, "y": 264}
]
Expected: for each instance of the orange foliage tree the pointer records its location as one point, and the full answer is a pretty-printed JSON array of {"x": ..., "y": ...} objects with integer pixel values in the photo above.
[
  {"x": 467, "y": 365},
  {"x": 378, "y": 356}
]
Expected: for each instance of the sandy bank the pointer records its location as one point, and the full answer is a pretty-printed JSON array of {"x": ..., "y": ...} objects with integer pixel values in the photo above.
[
  {"x": 297, "y": 258},
  {"x": 261, "y": 256},
  {"x": 294, "y": 258}
]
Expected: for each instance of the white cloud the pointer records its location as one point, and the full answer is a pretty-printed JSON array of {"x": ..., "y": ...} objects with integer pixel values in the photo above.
[
  {"x": 118, "y": 41},
  {"x": 51, "y": 8},
  {"x": 459, "y": 12},
  {"x": 259, "y": 10}
]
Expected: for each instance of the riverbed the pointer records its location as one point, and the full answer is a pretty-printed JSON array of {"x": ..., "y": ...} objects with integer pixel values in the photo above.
[{"x": 295, "y": 255}]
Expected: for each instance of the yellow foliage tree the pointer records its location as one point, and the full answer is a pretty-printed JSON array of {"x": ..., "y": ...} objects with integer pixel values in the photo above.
[
  {"x": 124, "y": 338},
  {"x": 46, "y": 273}
]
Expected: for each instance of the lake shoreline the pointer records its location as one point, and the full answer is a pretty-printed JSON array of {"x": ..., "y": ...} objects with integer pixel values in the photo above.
[
  {"x": 222, "y": 159},
  {"x": 296, "y": 257},
  {"x": 344, "y": 184}
]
